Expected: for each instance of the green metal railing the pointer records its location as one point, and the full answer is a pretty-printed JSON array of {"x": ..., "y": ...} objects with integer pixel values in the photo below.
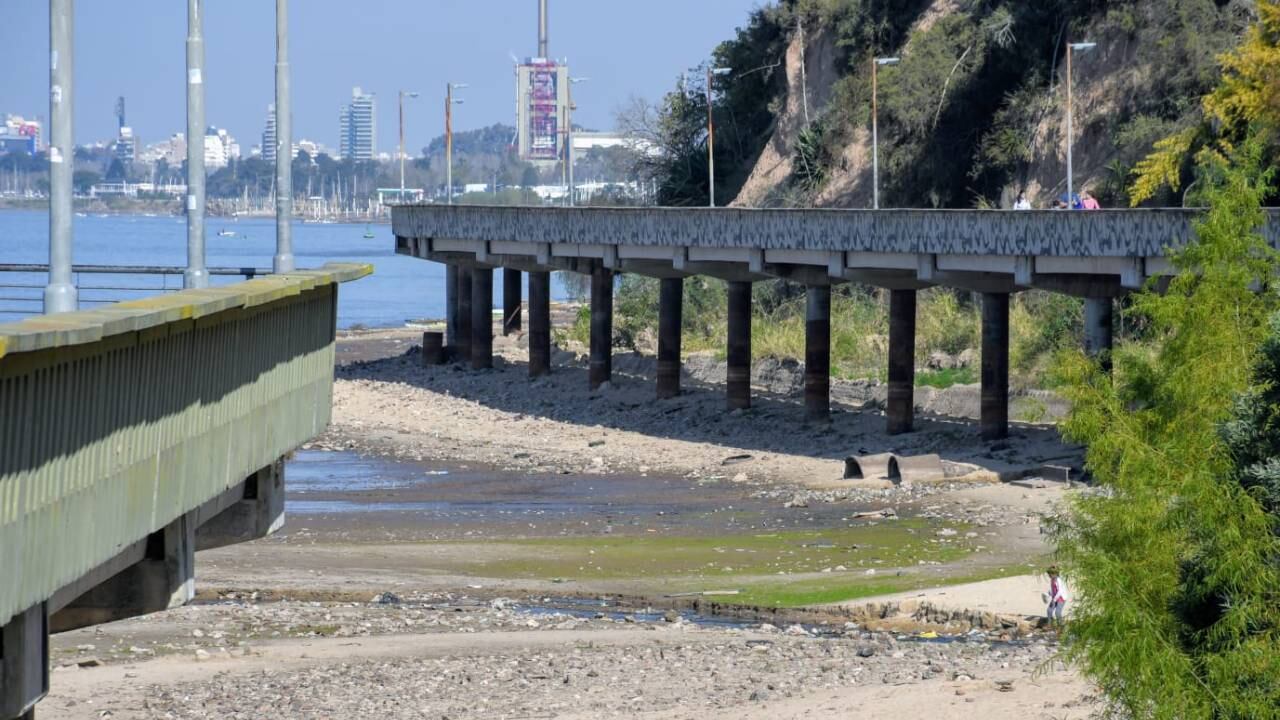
[{"x": 115, "y": 422}]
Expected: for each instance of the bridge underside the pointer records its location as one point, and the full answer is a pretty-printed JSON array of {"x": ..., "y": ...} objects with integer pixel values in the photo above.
[{"x": 135, "y": 435}]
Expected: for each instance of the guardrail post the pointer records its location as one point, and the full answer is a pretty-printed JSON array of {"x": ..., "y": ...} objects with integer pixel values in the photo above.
[
  {"x": 817, "y": 354},
  {"x": 995, "y": 366},
  {"x": 670, "y": 319},
  {"x": 601, "y": 367},
  {"x": 481, "y": 318},
  {"x": 512, "y": 292},
  {"x": 60, "y": 294},
  {"x": 900, "y": 411},
  {"x": 539, "y": 323},
  {"x": 738, "y": 374}
]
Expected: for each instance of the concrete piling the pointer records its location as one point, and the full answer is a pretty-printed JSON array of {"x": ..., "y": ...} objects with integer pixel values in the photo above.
[
  {"x": 601, "y": 370},
  {"x": 432, "y": 348},
  {"x": 1099, "y": 329},
  {"x": 995, "y": 366},
  {"x": 463, "y": 344},
  {"x": 512, "y": 294},
  {"x": 738, "y": 374},
  {"x": 670, "y": 319},
  {"x": 817, "y": 354},
  {"x": 481, "y": 318},
  {"x": 902, "y": 361},
  {"x": 450, "y": 310},
  {"x": 24, "y": 663},
  {"x": 539, "y": 323}
]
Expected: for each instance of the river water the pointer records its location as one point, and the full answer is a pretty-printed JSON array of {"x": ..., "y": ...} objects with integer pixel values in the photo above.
[{"x": 401, "y": 288}]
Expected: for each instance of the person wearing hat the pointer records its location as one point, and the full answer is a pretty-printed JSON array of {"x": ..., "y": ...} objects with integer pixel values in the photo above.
[{"x": 1057, "y": 597}]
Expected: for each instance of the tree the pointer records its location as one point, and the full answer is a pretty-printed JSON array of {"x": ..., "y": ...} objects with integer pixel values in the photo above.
[{"x": 1175, "y": 562}]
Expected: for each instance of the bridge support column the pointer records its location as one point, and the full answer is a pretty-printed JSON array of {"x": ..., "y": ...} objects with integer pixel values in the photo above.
[
  {"x": 512, "y": 295},
  {"x": 995, "y": 366},
  {"x": 601, "y": 369},
  {"x": 259, "y": 512},
  {"x": 670, "y": 320},
  {"x": 463, "y": 345},
  {"x": 163, "y": 579},
  {"x": 539, "y": 323},
  {"x": 24, "y": 663},
  {"x": 738, "y": 375},
  {"x": 481, "y": 318},
  {"x": 1098, "y": 330},
  {"x": 817, "y": 354},
  {"x": 451, "y": 310},
  {"x": 902, "y": 361}
]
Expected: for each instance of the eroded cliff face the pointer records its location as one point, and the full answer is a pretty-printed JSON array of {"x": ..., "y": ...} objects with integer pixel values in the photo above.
[{"x": 1113, "y": 81}]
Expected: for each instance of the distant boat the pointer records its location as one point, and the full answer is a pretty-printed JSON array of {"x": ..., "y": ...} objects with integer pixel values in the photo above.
[
  {"x": 368, "y": 234},
  {"x": 226, "y": 233}
]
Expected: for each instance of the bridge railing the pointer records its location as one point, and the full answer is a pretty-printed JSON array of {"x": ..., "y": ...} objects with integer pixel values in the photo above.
[
  {"x": 118, "y": 422},
  {"x": 22, "y": 285}
]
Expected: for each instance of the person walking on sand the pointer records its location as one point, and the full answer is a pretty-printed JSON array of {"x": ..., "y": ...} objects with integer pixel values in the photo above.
[{"x": 1057, "y": 597}]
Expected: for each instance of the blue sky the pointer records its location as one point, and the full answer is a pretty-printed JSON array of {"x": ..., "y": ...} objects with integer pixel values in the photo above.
[{"x": 135, "y": 48}]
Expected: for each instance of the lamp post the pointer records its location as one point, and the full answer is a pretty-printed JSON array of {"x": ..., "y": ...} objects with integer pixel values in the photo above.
[
  {"x": 60, "y": 295},
  {"x": 284, "y": 259},
  {"x": 712, "y": 72},
  {"x": 568, "y": 129},
  {"x": 449, "y": 102},
  {"x": 1072, "y": 48},
  {"x": 403, "y": 95},
  {"x": 196, "y": 275},
  {"x": 875, "y": 125}
]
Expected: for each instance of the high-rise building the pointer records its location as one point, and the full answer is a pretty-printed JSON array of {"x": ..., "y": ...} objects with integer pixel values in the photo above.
[
  {"x": 219, "y": 148},
  {"x": 358, "y": 127},
  {"x": 19, "y": 135},
  {"x": 269, "y": 135}
]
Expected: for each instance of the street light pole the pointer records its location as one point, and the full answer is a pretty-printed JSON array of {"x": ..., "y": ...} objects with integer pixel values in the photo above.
[
  {"x": 875, "y": 126},
  {"x": 60, "y": 294},
  {"x": 196, "y": 276},
  {"x": 568, "y": 128},
  {"x": 283, "y": 260},
  {"x": 402, "y": 97},
  {"x": 1071, "y": 48},
  {"x": 448, "y": 134},
  {"x": 712, "y": 72}
]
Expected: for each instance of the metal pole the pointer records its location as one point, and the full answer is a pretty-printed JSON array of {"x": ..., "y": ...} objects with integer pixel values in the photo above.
[
  {"x": 283, "y": 261},
  {"x": 196, "y": 276},
  {"x": 402, "y": 146},
  {"x": 543, "y": 29},
  {"x": 875, "y": 135},
  {"x": 711, "y": 141},
  {"x": 60, "y": 294},
  {"x": 1070, "y": 132},
  {"x": 448, "y": 140},
  {"x": 568, "y": 129}
]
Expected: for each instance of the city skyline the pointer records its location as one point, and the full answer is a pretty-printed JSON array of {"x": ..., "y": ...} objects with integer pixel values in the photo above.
[{"x": 240, "y": 57}]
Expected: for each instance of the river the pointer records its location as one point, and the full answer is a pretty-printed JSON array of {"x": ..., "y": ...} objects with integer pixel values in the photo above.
[{"x": 400, "y": 289}]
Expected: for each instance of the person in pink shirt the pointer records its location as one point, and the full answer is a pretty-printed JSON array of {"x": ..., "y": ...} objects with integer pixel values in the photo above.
[
  {"x": 1057, "y": 597},
  {"x": 1088, "y": 202}
]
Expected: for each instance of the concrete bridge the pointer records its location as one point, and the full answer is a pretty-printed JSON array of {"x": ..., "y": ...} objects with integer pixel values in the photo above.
[
  {"x": 1098, "y": 256},
  {"x": 134, "y": 435}
]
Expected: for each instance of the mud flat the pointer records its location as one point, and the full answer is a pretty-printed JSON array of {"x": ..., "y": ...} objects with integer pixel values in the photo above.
[{"x": 470, "y": 545}]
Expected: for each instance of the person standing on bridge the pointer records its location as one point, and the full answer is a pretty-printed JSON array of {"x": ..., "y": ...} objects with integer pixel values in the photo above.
[
  {"x": 1088, "y": 201},
  {"x": 1023, "y": 203}
]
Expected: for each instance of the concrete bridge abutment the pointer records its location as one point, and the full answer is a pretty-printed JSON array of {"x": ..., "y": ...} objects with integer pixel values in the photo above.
[
  {"x": 257, "y": 513},
  {"x": 670, "y": 321},
  {"x": 738, "y": 372},
  {"x": 900, "y": 411},
  {"x": 601, "y": 363},
  {"x": 512, "y": 297},
  {"x": 817, "y": 354},
  {"x": 481, "y": 318},
  {"x": 994, "y": 422},
  {"x": 539, "y": 323}
]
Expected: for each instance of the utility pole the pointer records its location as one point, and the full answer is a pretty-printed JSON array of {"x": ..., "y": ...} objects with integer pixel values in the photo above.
[
  {"x": 283, "y": 261},
  {"x": 568, "y": 128},
  {"x": 403, "y": 94},
  {"x": 875, "y": 126},
  {"x": 60, "y": 294},
  {"x": 196, "y": 276},
  {"x": 1071, "y": 48},
  {"x": 448, "y": 134},
  {"x": 712, "y": 72}
]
